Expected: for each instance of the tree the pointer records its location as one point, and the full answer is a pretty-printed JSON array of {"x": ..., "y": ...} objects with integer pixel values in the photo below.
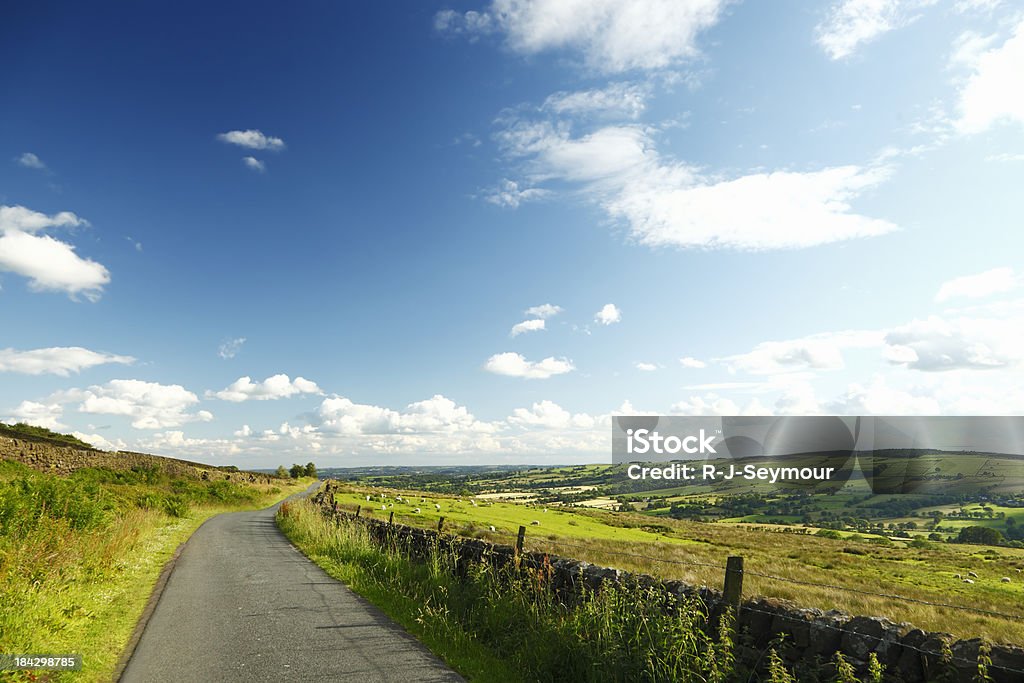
[
  {"x": 281, "y": 472},
  {"x": 297, "y": 471},
  {"x": 310, "y": 470},
  {"x": 980, "y": 535}
]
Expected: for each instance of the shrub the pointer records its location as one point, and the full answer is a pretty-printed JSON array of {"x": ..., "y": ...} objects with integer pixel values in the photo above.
[{"x": 176, "y": 506}]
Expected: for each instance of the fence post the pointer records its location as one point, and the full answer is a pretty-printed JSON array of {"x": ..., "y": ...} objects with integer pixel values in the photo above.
[
  {"x": 391, "y": 518},
  {"x": 733, "y": 591},
  {"x": 519, "y": 540},
  {"x": 440, "y": 524},
  {"x": 358, "y": 508}
]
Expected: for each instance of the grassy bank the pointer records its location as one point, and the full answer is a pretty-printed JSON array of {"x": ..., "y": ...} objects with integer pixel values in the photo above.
[
  {"x": 79, "y": 555},
  {"x": 505, "y": 626}
]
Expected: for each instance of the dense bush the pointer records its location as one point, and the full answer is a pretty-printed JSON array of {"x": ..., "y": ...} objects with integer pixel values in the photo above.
[
  {"x": 27, "y": 500},
  {"x": 980, "y": 535}
]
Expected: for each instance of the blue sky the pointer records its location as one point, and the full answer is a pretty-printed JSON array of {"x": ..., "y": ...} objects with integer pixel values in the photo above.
[{"x": 404, "y": 233}]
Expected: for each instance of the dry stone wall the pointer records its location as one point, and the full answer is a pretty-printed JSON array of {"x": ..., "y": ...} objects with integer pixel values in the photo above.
[
  {"x": 48, "y": 456},
  {"x": 812, "y": 635}
]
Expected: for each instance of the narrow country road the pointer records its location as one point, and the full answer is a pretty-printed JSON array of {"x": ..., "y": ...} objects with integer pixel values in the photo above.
[{"x": 242, "y": 604}]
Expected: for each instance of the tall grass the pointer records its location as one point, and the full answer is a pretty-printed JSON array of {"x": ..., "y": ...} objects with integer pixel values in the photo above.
[
  {"x": 621, "y": 632},
  {"x": 79, "y": 555}
]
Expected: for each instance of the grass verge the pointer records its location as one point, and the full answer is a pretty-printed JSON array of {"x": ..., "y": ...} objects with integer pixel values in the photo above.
[
  {"x": 496, "y": 625},
  {"x": 79, "y": 555}
]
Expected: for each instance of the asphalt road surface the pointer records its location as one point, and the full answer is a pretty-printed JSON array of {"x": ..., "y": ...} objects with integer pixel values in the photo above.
[{"x": 242, "y": 604}]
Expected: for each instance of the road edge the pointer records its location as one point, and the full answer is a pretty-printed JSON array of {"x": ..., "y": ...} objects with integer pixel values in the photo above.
[
  {"x": 151, "y": 603},
  {"x": 158, "y": 591}
]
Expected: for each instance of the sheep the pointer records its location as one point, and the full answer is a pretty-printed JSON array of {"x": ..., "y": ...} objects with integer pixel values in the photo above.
[
  {"x": 367, "y": 499},
  {"x": 968, "y": 581},
  {"x": 1005, "y": 579},
  {"x": 416, "y": 510},
  {"x": 1018, "y": 571},
  {"x": 972, "y": 574},
  {"x": 534, "y": 523},
  {"x": 383, "y": 507},
  {"x": 391, "y": 505},
  {"x": 437, "y": 507},
  {"x": 545, "y": 509},
  {"x": 958, "y": 576},
  {"x": 491, "y": 528}
]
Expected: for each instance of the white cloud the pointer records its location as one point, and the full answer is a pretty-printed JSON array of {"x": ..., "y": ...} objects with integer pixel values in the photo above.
[
  {"x": 543, "y": 311},
  {"x": 39, "y": 414},
  {"x": 981, "y": 285},
  {"x": 938, "y": 394},
  {"x": 611, "y": 154},
  {"x": 992, "y": 93},
  {"x": 343, "y": 416},
  {"x": 272, "y": 388},
  {"x": 437, "y": 415},
  {"x": 175, "y": 441},
  {"x": 60, "y": 360},
  {"x": 472, "y": 22},
  {"x": 616, "y": 100},
  {"x": 814, "y": 352},
  {"x": 612, "y": 36},
  {"x": 689, "y": 362},
  {"x": 672, "y": 204},
  {"x": 757, "y": 212},
  {"x": 729, "y": 386},
  {"x": 797, "y": 399},
  {"x": 549, "y": 415},
  {"x": 964, "y": 6},
  {"x": 937, "y": 344},
  {"x": 508, "y": 193},
  {"x": 978, "y": 339},
  {"x": 244, "y": 431},
  {"x": 252, "y": 139},
  {"x": 255, "y": 164},
  {"x": 22, "y": 219},
  {"x": 608, "y": 315},
  {"x": 527, "y": 326},
  {"x": 99, "y": 441},
  {"x": 230, "y": 348},
  {"x": 877, "y": 398},
  {"x": 708, "y": 405},
  {"x": 48, "y": 263},
  {"x": 30, "y": 160},
  {"x": 149, "y": 405},
  {"x": 851, "y": 23},
  {"x": 515, "y": 365},
  {"x": 645, "y": 367},
  {"x": 968, "y": 48}
]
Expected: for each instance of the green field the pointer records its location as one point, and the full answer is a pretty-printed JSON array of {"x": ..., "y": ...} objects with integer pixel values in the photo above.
[{"x": 672, "y": 548}]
